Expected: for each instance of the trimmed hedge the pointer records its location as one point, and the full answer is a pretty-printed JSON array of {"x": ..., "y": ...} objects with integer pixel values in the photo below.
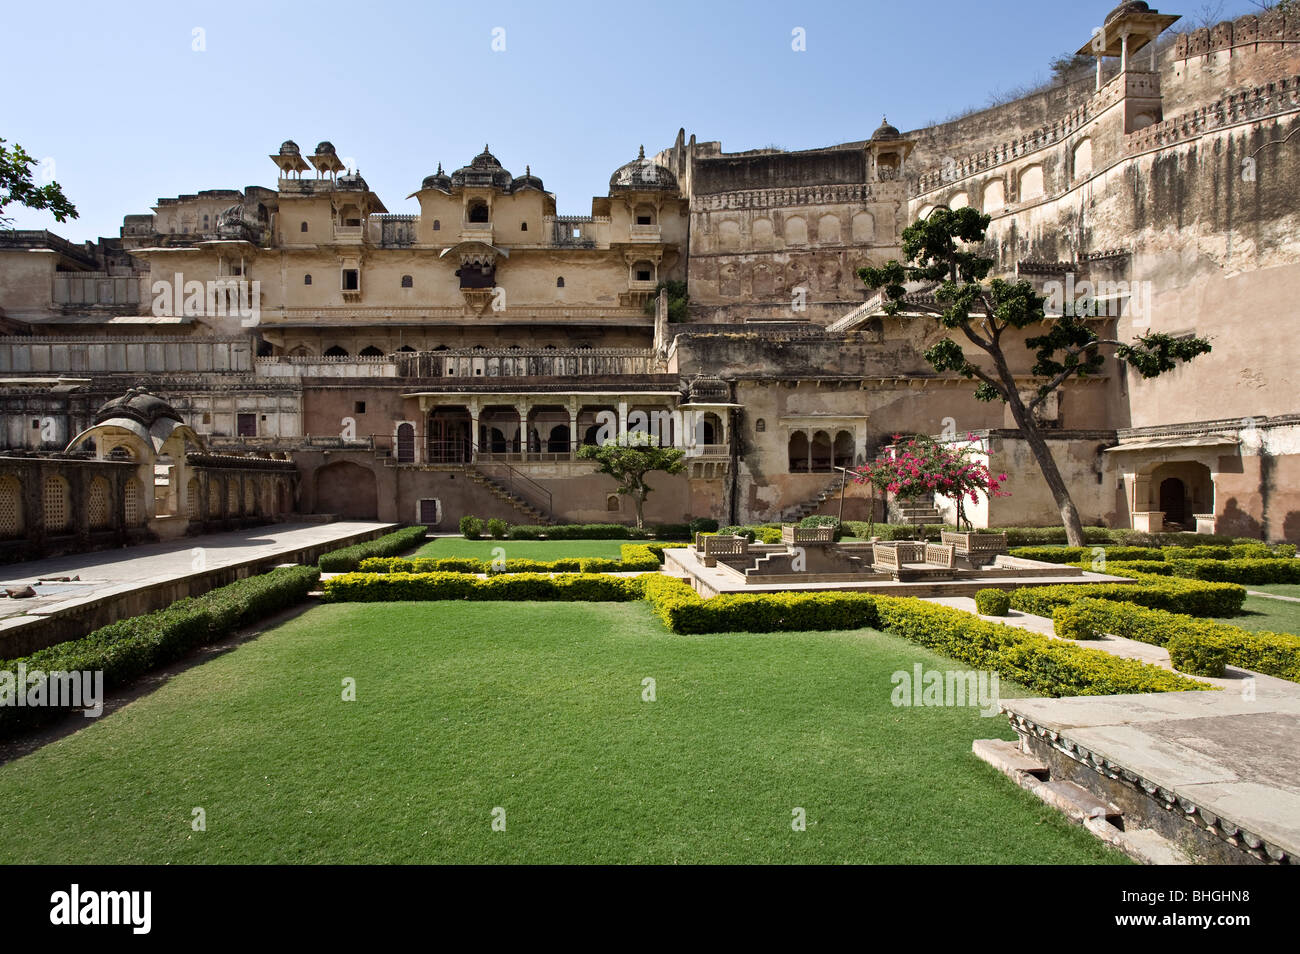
[
  {"x": 129, "y": 648},
  {"x": 601, "y": 531},
  {"x": 390, "y": 544},
  {"x": 991, "y": 602},
  {"x": 1194, "y": 597},
  {"x": 1197, "y": 646},
  {"x": 1085, "y": 554},
  {"x": 1130, "y": 567},
  {"x": 635, "y": 557},
  {"x": 1253, "y": 572},
  {"x": 390, "y": 587},
  {"x": 1038, "y": 662}
]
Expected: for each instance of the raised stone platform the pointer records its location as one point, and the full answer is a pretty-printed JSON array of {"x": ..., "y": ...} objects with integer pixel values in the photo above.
[
  {"x": 709, "y": 581},
  {"x": 1215, "y": 775},
  {"x": 114, "y": 584}
]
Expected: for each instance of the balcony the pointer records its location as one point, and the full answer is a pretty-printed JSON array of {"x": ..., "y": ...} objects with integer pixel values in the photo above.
[
  {"x": 348, "y": 234},
  {"x": 476, "y": 232},
  {"x": 650, "y": 234}
]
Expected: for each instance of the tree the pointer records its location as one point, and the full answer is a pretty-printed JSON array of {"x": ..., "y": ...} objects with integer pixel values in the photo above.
[
  {"x": 922, "y": 468},
  {"x": 16, "y": 186},
  {"x": 943, "y": 251},
  {"x": 678, "y": 300},
  {"x": 629, "y": 463}
]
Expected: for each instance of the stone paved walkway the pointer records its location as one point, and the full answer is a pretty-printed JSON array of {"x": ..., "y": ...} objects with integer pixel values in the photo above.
[{"x": 114, "y": 571}]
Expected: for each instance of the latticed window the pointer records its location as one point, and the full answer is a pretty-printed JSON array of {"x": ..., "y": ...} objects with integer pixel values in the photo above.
[
  {"x": 11, "y": 507},
  {"x": 250, "y": 498},
  {"x": 192, "y": 499},
  {"x": 57, "y": 512},
  {"x": 97, "y": 504},
  {"x": 214, "y": 500},
  {"x": 232, "y": 498},
  {"x": 131, "y": 503}
]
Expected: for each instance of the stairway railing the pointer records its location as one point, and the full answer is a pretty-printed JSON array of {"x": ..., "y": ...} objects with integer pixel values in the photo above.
[{"x": 520, "y": 484}]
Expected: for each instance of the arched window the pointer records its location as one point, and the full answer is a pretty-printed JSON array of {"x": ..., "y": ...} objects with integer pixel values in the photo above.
[
  {"x": 407, "y": 281},
  {"x": 643, "y": 272},
  {"x": 192, "y": 499},
  {"x": 523, "y": 226},
  {"x": 336, "y": 352},
  {"x": 437, "y": 226},
  {"x": 11, "y": 507},
  {"x": 306, "y": 279},
  {"x": 611, "y": 503},
  {"x": 131, "y": 503},
  {"x": 760, "y": 426},
  {"x": 478, "y": 211},
  {"x": 406, "y": 348},
  {"x": 405, "y": 443},
  {"x": 799, "y": 461},
  {"x": 57, "y": 513},
  {"x": 370, "y": 351},
  {"x": 97, "y": 504},
  {"x": 304, "y": 227},
  {"x": 559, "y": 282}
]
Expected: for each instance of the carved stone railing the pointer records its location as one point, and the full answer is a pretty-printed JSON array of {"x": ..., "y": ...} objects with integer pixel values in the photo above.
[
  {"x": 717, "y": 545},
  {"x": 792, "y": 535}
]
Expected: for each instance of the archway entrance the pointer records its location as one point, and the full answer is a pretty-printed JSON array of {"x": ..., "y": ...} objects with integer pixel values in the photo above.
[
  {"x": 449, "y": 436},
  {"x": 1173, "y": 497}
]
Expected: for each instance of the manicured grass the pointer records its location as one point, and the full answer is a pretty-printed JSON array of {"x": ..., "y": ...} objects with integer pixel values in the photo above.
[
  {"x": 536, "y": 708},
  {"x": 1279, "y": 589},
  {"x": 1260, "y": 612},
  {"x": 449, "y": 547}
]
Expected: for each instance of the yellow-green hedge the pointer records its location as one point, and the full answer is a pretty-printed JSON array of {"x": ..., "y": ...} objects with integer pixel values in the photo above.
[{"x": 394, "y": 587}]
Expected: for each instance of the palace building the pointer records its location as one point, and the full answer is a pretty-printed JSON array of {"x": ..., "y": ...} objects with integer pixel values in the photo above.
[{"x": 298, "y": 348}]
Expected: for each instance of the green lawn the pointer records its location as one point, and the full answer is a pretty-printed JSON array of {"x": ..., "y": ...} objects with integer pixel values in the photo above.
[
  {"x": 444, "y": 547},
  {"x": 1260, "y": 612},
  {"x": 535, "y": 708}
]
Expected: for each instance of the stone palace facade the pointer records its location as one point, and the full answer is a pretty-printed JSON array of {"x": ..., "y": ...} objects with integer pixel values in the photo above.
[{"x": 304, "y": 350}]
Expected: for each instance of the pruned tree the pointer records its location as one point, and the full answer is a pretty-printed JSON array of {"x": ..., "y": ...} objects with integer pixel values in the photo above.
[
  {"x": 944, "y": 251},
  {"x": 16, "y": 185},
  {"x": 630, "y": 463}
]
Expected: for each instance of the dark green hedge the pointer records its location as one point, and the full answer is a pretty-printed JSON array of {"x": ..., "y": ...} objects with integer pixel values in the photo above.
[
  {"x": 1194, "y": 597},
  {"x": 392, "y": 587},
  {"x": 1251, "y": 572},
  {"x": 635, "y": 557},
  {"x": 390, "y": 544},
  {"x": 1085, "y": 554},
  {"x": 129, "y": 648},
  {"x": 1203, "y": 645}
]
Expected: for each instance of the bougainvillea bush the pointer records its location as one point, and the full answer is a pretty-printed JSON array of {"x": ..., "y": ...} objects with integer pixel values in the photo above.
[{"x": 922, "y": 468}]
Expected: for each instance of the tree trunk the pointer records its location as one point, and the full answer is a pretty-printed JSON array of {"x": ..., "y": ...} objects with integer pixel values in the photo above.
[
  {"x": 1042, "y": 454},
  {"x": 638, "y": 499}
]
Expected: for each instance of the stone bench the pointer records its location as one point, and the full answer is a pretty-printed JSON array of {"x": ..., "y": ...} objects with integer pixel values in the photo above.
[{"x": 913, "y": 559}]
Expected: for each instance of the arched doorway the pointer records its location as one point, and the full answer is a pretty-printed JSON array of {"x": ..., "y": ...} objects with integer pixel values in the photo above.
[
  {"x": 347, "y": 490},
  {"x": 449, "y": 437},
  {"x": 405, "y": 443},
  {"x": 1173, "y": 497}
]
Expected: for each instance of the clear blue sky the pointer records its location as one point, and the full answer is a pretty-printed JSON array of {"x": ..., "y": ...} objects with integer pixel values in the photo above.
[{"x": 115, "y": 95}]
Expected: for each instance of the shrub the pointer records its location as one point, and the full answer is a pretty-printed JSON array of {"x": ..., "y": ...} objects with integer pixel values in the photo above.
[
  {"x": 1130, "y": 567},
  {"x": 497, "y": 528},
  {"x": 823, "y": 520},
  {"x": 1284, "y": 550},
  {"x": 1168, "y": 593},
  {"x": 1252, "y": 572},
  {"x": 683, "y": 611},
  {"x": 991, "y": 602},
  {"x": 635, "y": 556},
  {"x": 129, "y": 648},
  {"x": 747, "y": 532},
  {"x": 702, "y": 525},
  {"x": 1196, "y": 553},
  {"x": 388, "y": 587},
  {"x": 349, "y": 558},
  {"x": 1085, "y": 555},
  {"x": 471, "y": 527},
  {"x": 1037, "y": 662},
  {"x": 1076, "y": 621},
  {"x": 1199, "y": 642}
]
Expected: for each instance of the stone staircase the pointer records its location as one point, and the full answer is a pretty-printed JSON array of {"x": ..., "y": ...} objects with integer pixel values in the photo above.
[
  {"x": 505, "y": 494},
  {"x": 918, "y": 514},
  {"x": 798, "y": 512}
]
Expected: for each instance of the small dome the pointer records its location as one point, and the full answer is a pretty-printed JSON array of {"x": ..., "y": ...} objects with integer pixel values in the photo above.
[
  {"x": 289, "y": 148},
  {"x": 138, "y": 405},
  {"x": 642, "y": 175},
  {"x": 527, "y": 181},
  {"x": 483, "y": 170},
  {"x": 439, "y": 180},
  {"x": 353, "y": 181},
  {"x": 325, "y": 148},
  {"x": 885, "y": 131},
  {"x": 1132, "y": 6}
]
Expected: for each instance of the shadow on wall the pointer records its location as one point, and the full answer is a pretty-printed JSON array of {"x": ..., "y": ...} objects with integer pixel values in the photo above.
[
  {"x": 347, "y": 490},
  {"x": 1237, "y": 522},
  {"x": 1291, "y": 527}
]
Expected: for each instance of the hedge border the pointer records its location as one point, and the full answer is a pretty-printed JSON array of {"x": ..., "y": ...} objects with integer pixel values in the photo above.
[{"x": 390, "y": 544}]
